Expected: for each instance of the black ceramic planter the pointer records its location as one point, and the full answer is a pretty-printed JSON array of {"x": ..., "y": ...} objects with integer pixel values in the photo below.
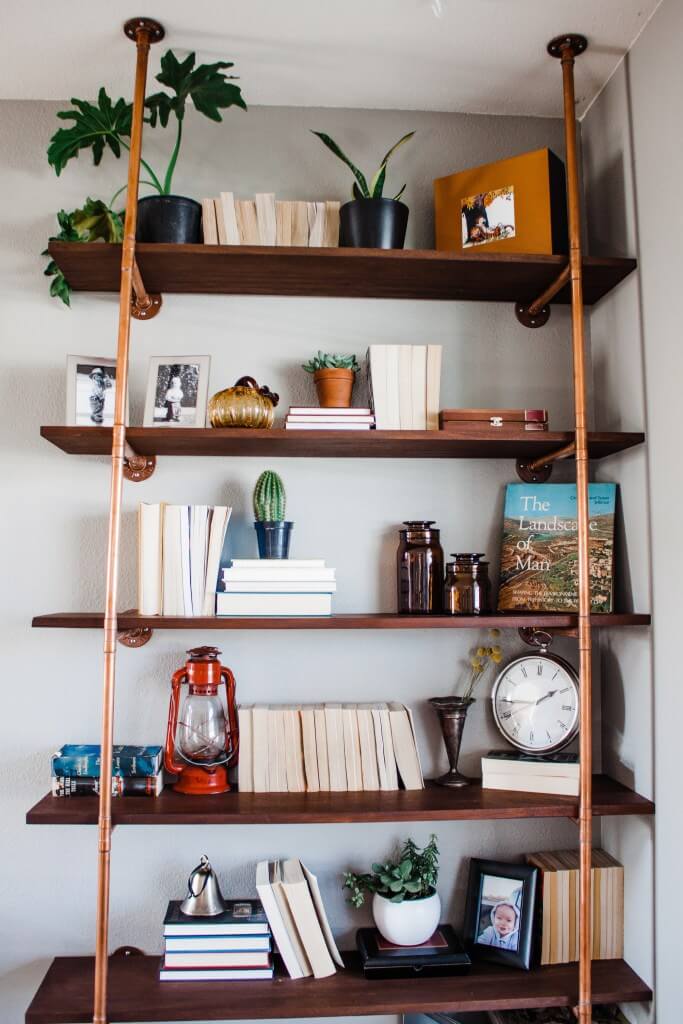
[
  {"x": 373, "y": 224},
  {"x": 174, "y": 219},
  {"x": 273, "y": 538}
]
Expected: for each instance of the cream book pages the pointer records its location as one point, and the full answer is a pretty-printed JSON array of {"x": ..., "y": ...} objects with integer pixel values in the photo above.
[
  {"x": 336, "y": 758},
  {"x": 294, "y": 751},
  {"x": 354, "y": 770},
  {"x": 276, "y": 921},
  {"x": 377, "y": 371},
  {"x": 229, "y": 216},
  {"x": 322, "y": 916},
  {"x": 283, "y": 223},
  {"x": 172, "y": 603},
  {"x": 433, "y": 386},
  {"x": 368, "y": 749},
  {"x": 331, "y": 234},
  {"x": 300, "y": 224},
  {"x": 316, "y": 224},
  {"x": 321, "y": 748},
  {"x": 306, "y": 919},
  {"x": 419, "y": 386},
  {"x": 405, "y": 386},
  {"x": 312, "y": 779},
  {"x": 246, "y": 221},
  {"x": 388, "y": 743},
  {"x": 265, "y": 217},
  {"x": 259, "y": 727},
  {"x": 150, "y": 519},
  {"x": 379, "y": 746},
  {"x": 288, "y": 919},
  {"x": 245, "y": 763},
  {"x": 218, "y": 526},
  {"x": 277, "y": 771},
  {"x": 209, "y": 226},
  {"x": 200, "y": 517},
  {"x": 220, "y": 222}
]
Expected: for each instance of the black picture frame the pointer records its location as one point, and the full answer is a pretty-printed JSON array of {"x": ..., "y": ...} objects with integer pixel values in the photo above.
[{"x": 485, "y": 877}]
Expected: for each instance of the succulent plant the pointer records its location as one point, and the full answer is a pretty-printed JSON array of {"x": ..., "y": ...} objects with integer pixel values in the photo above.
[
  {"x": 412, "y": 876},
  {"x": 361, "y": 189},
  {"x": 325, "y": 361},
  {"x": 269, "y": 498}
]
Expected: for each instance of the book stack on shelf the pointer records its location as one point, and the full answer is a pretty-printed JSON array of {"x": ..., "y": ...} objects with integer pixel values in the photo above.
[
  {"x": 527, "y": 773},
  {"x": 560, "y": 905},
  {"x": 310, "y": 748},
  {"x": 301, "y": 417},
  {"x": 293, "y": 905},
  {"x": 136, "y": 771},
  {"x": 179, "y": 553},
  {"x": 405, "y": 383},
  {"x": 273, "y": 586},
  {"x": 265, "y": 221},
  {"x": 232, "y": 946}
]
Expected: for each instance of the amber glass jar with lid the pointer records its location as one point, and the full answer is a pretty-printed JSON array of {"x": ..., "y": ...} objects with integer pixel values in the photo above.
[
  {"x": 420, "y": 568},
  {"x": 467, "y": 590}
]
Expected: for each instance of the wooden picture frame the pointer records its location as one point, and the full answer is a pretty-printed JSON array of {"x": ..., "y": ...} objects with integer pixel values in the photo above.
[
  {"x": 500, "y": 912},
  {"x": 177, "y": 391}
]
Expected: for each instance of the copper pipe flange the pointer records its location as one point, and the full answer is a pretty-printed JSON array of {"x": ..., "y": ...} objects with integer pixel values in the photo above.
[{"x": 154, "y": 28}]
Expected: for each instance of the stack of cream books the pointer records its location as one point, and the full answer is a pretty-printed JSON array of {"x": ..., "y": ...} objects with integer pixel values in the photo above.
[
  {"x": 405, "y": 384},
  {"x": 265, "y": 221},
  {"x": 310, "y": 748},
  {"x": 291, "y": 899},
  {"x": 560, "y": 896}
]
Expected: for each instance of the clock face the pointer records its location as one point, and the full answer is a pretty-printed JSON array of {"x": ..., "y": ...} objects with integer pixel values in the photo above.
[{"x": 536, "y": 703}]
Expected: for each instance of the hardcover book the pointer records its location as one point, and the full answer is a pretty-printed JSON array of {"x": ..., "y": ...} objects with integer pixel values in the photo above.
[
  {"x": 441, "y": 954},
  {"x": 77, "y": 759},
  {"x": 538, "y": 562},
  {"x": 240, "y": 917}
]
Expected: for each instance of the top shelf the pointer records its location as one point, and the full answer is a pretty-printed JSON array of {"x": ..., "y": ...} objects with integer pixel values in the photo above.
[{"x": 347, "y": 273}]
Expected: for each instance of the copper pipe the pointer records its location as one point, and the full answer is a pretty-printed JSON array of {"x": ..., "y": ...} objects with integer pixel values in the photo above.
[
  {"x": 545, "y": 460},
  {"x": 142, "y": 41},
  {"x": 535, "y": 307},
  {"x": 142, "y": 298},
  {"x": 583, "y": 1010}
]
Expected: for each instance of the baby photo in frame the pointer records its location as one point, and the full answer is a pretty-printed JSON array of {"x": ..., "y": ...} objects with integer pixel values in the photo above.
[
  {"x": 177, "y": 390},
  {"x": 500, "y": 912},
  {"x": 90, "y": 391}
]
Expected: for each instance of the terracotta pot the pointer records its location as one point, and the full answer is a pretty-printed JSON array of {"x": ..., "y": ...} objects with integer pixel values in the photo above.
[{"x": 334, "y": 388}]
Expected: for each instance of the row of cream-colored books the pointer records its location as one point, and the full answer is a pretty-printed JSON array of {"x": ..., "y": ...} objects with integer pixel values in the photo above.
[
  {"x": 267, "y": 221},
  {"x": 309, "y": 748}
]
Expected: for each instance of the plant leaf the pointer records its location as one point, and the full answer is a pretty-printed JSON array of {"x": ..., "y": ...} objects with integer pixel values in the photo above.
[
  {"x": 377, "y": 183},
  {"x": 400, "y": 193},
  {"x": 95, "y": 127},
  {"x": 334, "y": 148},
  {"x": 95, "y": 220},
  {"x": 405, "y": 867},
  {"x": 209, "y": 89},
  {"x": 395, "y": 147}
]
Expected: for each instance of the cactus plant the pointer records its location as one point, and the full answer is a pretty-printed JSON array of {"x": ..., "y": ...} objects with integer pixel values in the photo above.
[
  {"x": 325, "y": 361},
  {"x": 269, "y": 498}
]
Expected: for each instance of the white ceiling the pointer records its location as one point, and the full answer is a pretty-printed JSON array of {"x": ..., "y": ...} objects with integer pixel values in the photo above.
[{"x": 478, "y": 56}]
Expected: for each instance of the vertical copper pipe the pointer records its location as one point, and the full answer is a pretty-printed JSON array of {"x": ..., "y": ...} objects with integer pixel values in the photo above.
[
  {"x": 142, "y": 42},
  {"x": 578, "y": 349}
]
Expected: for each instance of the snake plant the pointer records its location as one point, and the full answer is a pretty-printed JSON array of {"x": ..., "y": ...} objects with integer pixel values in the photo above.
[{"x": 361, "y": 189}]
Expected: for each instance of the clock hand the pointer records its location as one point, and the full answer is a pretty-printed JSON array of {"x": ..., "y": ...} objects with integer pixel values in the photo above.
[
  {"x": 509, "y": 700},
  {"x": 546, "y": 696}
]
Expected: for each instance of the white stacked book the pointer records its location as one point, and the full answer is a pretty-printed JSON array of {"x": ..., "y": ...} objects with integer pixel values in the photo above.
[
  {"x": 314, "y": 417},
  {"x": 342, "y": 748},
  {"x": 273, "y": 586},
  {"x": 405, "y": 383},
  {"x": 265, "y": 221},
  {"x": 527, "y": 773}
]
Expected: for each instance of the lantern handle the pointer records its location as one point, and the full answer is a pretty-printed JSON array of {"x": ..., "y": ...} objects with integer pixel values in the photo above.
[
  {"x": 232, "y": 736},
  {"x": 170, "y": 763}
]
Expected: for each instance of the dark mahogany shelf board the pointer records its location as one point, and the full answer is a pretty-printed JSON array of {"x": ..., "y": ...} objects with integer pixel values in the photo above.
[
  {"x": 363, "y": 620},
  {"x": 348, "y": 273},
  {"x": 435, "y": 803},
  {"x": 136, "y": 994},
  {"x": 371, "y": 444}
]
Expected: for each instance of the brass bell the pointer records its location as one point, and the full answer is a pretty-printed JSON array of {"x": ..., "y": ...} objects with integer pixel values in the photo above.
[{"x": 204, "y": 898}]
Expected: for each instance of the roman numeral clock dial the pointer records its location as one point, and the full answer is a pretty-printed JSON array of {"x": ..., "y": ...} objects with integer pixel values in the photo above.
[{"x": 536, "y": 703}]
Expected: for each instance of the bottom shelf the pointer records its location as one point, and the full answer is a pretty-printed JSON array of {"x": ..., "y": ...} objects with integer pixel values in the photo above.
[{"x": 136, "y": 994}]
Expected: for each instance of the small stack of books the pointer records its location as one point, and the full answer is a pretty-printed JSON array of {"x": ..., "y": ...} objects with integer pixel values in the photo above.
[
  {"x": 232, "y": 946},
  {"x": 136, "y": 771},
  {"x": 301, "y": 417},
  {"x": 179, "y": 552},
  {"x": 560, "y": 905},
  {"x": 405, "y": 383},
  {"x": 273, "y": 586},
  {"x": 291, "y": 899},
  {"x": 263, "y": 221},
  {"x": 441, "y": 954},
  {"x": 327, "y": 748},
  {"x": 527, "y": 773}
]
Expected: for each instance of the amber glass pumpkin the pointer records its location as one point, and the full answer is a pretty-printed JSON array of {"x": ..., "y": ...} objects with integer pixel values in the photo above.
[{"x": 244, "y": 405}]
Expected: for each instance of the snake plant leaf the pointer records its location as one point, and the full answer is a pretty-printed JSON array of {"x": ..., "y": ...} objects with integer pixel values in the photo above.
[
  {"x": 396, "y": 145},
  {"x": 334, "y": 148},
  {"x": 400, "y": 192},
  {"x": 96, "y": 126},
  {"x": 377, "y": 183},
  {"x": 209, "y": 89}
]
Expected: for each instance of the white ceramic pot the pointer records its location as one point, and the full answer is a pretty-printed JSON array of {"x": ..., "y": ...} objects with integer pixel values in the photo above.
[{"x": 408, "y": 923}]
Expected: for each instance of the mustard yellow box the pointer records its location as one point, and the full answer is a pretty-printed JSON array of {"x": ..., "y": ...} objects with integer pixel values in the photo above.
[{"x": 514, "y": 205}]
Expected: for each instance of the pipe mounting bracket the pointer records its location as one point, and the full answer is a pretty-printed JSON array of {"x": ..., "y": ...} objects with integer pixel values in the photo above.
[{"x": 134, "y": 638}]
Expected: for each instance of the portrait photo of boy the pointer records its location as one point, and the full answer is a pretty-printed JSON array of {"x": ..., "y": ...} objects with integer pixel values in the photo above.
[{"x": 500, "y": 912}]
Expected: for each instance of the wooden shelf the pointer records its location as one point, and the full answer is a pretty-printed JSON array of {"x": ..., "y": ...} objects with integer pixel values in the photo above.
[
  {"x": 434, "y": 803},
  {"x": 364, "y": 620},
  {"x": 348, "y": 273},
  {"x": 136, "y": 994},
  {"x": 371, "y": 444}
]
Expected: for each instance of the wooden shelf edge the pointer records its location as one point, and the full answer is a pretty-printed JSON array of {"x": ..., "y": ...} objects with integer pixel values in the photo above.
[{"x": 136, "y": 994}]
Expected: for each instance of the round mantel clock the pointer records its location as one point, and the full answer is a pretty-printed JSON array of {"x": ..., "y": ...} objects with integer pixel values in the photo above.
[{"x": 536, "y": 701}]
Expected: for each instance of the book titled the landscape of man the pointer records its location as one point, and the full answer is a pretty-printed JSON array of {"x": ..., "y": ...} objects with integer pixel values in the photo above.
[{"x": 538, "y": 564}]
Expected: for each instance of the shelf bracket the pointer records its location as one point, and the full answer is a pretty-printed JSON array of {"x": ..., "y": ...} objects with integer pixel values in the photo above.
[
  {"x": 535, "y": 637},
  {"x": 537, "y": 471},
  {"x": 537, "y": 313},
  {"x": 137, "y": 468},
  {"x": 134, "y": 638},
  {"x": 144, "y": 305}
]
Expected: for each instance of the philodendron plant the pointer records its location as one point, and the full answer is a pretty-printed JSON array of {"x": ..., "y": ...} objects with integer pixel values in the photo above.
[
  {"x": 270, "y": 500},
  {"x": 361, "y": 189},
  {"x": 105, "y": 125},
  {"x": 412, "y": 876},
  {"x": 327, "y": 361}
]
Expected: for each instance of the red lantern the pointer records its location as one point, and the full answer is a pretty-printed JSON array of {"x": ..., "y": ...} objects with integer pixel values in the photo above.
[{"x": 202, "y": 738}]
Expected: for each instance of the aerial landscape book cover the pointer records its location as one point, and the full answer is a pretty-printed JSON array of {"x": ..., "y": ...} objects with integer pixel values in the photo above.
[{"x": 538, "y": 562}]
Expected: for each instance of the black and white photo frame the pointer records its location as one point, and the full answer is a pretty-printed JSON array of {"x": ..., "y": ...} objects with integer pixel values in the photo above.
[
  {"x": 177, "y": 391},
  {"x": 500, "y": 912},
  {"x": 90, "y": 388}
]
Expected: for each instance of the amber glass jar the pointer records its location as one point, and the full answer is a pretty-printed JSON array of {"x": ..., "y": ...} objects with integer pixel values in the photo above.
[
  {"x": 420, "y": 568},
  {"x": 467, "y": 590},
  {"x": 244, "y": 405}
]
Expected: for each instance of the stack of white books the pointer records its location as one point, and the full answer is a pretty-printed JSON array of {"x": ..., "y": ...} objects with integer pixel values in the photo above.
[
  {"x": 528, "y": 773},
  {"x": 272, "y": 586},
  {"x": 405, "y": 382},
  {"x": 302, "y": 417},
  {"x": 338, "y": 748}
]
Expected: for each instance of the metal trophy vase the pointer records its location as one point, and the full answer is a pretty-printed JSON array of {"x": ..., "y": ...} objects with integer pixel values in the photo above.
[{"x": 452, "y": 712}]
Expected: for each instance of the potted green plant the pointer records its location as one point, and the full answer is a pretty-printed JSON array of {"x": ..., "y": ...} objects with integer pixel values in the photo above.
[
  {"x": 273, "y": 532},
  {"x": 371, "y": 220},
  {"x": 163, "y": 216},
  {"x": 334, "y": 376},
  {"x": 405, "y": 904}
]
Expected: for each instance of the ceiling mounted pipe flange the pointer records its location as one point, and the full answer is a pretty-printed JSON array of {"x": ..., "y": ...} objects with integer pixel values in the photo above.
[
  {"x": 135, "y": 25},
  {"x": 570, "y": 40}
]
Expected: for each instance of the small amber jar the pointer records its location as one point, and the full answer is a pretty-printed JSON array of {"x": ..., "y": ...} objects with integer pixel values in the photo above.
[
  {"x": 244, "y": 405},
  {"x": 467, "y": 590},
  {"x": 420, "y": 568}
]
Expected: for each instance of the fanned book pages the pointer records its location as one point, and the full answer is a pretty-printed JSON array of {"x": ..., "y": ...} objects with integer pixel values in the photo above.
[
  {"x": 266, "y": 218},
  {"x": 316, "y": 224},
  {"x": 300, "y": 224},
  {"x": 209, "y": 226},
  {"x": 306, "y": 919},
  {"x": 229, "y": 219},
  {"x": 283, "y": 223},
  {"x": 295, "y": 967},
  {"x": 247, "y": 222},
  {"x": 331, "y": 233}
]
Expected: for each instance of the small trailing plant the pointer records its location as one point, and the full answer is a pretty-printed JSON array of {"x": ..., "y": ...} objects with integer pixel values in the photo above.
[
  {"x": 412, "y": 876},
  {"x": 480, "y": 660},
  {"x": 95, "y": 220},
  {"x": 270, "y": 500},
  {"x": 325, "y": 361},
  {"x": 361, "y": 189}
]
